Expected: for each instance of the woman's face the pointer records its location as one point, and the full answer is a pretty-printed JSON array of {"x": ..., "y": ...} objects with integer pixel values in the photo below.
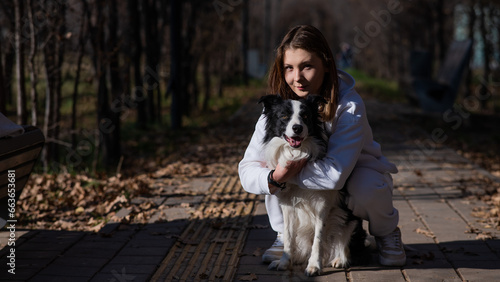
[{"x": 304, "y": 71}]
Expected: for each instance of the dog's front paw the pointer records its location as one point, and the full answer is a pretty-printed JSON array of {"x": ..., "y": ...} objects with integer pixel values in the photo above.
[
  {"x": 339, "y": 262},
  {"x": 279, "y": 265},
  {"x": 312, "y": 271}
]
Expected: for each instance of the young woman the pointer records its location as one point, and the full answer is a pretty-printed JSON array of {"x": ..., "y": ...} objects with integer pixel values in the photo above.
[{"x": 304, "y": 65}]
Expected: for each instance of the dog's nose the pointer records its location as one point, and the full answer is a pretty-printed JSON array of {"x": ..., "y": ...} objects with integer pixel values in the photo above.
[{"x": 297, "y": 128}]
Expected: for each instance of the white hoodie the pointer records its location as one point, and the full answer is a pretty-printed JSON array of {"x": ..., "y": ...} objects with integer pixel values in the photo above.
[{"x": 350, "y": 145}]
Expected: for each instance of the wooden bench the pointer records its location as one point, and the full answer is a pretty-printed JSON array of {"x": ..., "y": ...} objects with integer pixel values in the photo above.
[
  {"x": 17, "y": 154},
  {"x": 438, "y": 95}
]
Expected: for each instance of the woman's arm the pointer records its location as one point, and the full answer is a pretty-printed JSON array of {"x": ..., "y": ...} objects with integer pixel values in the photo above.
[
  {"x": 348, "y": 138},
  {"x": 252, "y": 168}
]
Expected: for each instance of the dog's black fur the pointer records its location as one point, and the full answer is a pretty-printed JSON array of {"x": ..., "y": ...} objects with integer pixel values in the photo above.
[{"x": 278, "y": 113}]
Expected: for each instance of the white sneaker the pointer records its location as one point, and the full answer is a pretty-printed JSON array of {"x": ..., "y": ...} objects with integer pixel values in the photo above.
[
  {"x": 275, "y": 252},
  {"x": 390, "y": 249}
]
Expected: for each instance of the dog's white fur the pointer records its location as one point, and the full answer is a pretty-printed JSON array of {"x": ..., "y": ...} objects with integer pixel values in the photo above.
[{"x": 316, "y": 229}]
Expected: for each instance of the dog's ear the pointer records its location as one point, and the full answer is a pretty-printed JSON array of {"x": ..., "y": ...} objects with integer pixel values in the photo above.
[
  {"x": 315, "y": 100},
  {"x": 270, "y": 100}
]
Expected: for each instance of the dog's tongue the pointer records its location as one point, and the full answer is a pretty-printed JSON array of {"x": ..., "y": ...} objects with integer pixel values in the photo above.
[{"x": 294, "y": 141}]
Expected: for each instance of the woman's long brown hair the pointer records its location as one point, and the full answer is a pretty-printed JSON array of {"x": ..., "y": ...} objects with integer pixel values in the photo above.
[{"x": 308, "y": 38}]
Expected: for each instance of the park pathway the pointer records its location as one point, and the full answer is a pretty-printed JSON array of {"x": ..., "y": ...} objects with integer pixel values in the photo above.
[{"x": 217, "y": 232}]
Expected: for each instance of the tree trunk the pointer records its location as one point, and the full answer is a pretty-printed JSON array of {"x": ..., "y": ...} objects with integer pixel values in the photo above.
[
  {"x": 52, "y": 63},
  {"x": 189, "y": 62},
  {"x": 48, "y": 128},
  {"x": 152, "y": 55},
  {"x": 206, "y": 82},
  {"x": 486, "y": 55},
  {"x": 9, "y": 73},
  {"x": 59, "y": 40},
  {"x": 18, "y": 41},
  {"x": 139, "y": 95},
  {"x": 497, "y": 24},
  {"x": 114, "y": 151},
  {"x": 81, "y": 50},
  {"x": 192, "y": 83},
  {"x": 244, "y": 44},
  {"x": 441, "y": 19},
  {"x": 31, "y": 65},
  {"x": 267, "y": 32},
  {"x": 104, "y": 123},
  {"x": 3, "y": 90},
  {"x": 175, "y": 73},
  {"x": 471, "y": 24}
]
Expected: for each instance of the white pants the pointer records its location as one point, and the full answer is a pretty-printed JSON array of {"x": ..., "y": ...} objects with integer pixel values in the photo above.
[{"x": 370, "y": 198}]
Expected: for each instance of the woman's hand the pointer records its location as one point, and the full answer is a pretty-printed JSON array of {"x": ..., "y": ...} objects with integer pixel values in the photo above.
[{"x": 283, "y": 174}]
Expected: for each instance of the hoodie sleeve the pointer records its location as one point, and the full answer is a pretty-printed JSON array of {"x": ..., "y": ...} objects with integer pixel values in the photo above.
[
  {"x": 349, "y": 135},
  {"x": 252, "y": 168}
]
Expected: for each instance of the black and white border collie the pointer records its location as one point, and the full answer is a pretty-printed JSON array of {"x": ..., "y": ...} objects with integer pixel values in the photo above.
[{"x": 317, "y": 225}]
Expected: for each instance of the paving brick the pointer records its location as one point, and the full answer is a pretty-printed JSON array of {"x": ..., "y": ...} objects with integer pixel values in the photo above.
[
  {"x": 35, "y": 254},
  {"x": 365, "y": 274},
  {"x": 66, "y": 260},
  {"x": 250, "y": 259},
  {"x": 20, "y": 235},
  {"x": 130, "y": 268},
  {"x": 177, "y": 213},
  {"x": 469, "y": 250},
  {"x": 66, "y": 271},
  {"x": 144, "y": 251},
  {"x": 479, "y": 270},
  {"x": 100, "y": 245},
  {"x": 171, "y": 201},
  {"x": 435, "y": 270},
  {"x": 150, "y": 242},
  {"x": 158, "y": 200},
  {"x": 52, "y": 278},
  {"x": 26, "y": 263},
  {"x": 91, "y": 252},
  {"x": 121, "y": 277},
  {"x": 20, "y": 273},
  {"x": 494, "y": 246},
  {"x": 137, "y": 260}
]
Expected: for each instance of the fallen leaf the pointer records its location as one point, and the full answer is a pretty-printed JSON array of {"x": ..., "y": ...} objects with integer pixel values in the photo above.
[
  {"x": 418, "y": 261},
  {"x": 494, "y": 212},
  {"x": 424, "y": 256},
  {"x": 473, "y": 230},
  {"x": 257, "y": 252},
  {"x": 480, "y": 214},
  {"x": 484, "y": 236},
  {"x": 425, "y": 232}
]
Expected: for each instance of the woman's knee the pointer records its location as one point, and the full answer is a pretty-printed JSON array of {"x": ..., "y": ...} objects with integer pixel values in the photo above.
[{"x": 369, "y": 189}]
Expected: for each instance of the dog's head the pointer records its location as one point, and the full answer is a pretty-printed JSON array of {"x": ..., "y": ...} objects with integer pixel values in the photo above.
[{"x": 292, "y": 120}]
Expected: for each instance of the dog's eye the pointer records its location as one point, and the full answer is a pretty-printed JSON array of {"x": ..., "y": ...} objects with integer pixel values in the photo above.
[{"x": 284, "y": 117}]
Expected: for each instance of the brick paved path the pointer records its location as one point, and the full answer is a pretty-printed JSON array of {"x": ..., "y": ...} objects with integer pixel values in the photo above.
[{"x": 222, "y": 232}]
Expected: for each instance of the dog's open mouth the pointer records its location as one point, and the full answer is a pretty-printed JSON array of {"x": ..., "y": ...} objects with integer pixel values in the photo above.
[{"x": 295, "y": 142}]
